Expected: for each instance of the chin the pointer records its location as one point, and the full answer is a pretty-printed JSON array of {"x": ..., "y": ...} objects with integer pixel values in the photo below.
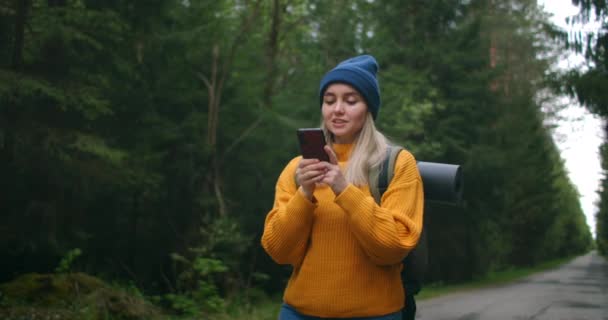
[{"x": 340, "y": 131}]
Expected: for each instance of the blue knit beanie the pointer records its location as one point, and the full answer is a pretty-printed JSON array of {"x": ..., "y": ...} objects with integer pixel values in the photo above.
[{"x": 360, "y": 73}]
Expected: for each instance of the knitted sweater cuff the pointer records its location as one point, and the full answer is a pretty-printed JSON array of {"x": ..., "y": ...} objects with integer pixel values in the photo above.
[{"x": 353, "y": 199}]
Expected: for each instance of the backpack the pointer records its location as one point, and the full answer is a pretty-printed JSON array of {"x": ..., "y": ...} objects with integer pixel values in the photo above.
[{"x": 415, "y": 263}]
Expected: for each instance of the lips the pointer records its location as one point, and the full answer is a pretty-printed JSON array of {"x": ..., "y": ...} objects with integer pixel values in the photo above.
[{"x": 338, "y": 124}]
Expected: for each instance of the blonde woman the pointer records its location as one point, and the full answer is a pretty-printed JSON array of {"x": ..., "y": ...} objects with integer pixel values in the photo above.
[{"x": 345, "y": 249}]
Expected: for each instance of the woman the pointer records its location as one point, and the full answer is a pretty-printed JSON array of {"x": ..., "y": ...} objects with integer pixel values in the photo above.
[{"x": 345, "y": 249}]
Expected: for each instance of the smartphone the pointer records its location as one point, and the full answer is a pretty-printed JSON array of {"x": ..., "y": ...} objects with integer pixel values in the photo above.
[{"x": 312, "y": 141}]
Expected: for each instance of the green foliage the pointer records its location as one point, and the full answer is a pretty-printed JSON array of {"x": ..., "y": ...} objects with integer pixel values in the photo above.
[
  {"x": 587, "y": 84},
  {"x": 203, "y": 297},
  {"x": 66, "y": 263},
  {"x": 601, "y": 216},
  {"x": 199, "y": 282}
]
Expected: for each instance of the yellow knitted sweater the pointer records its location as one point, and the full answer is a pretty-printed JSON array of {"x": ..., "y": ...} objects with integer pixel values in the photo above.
[{"x": 345, "y": 250}]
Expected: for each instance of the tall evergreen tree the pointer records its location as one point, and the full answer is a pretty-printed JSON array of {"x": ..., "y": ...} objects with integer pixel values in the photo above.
[{"x": 588, "y": 86}]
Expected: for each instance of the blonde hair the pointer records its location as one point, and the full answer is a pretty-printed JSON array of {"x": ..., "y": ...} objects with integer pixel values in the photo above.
[{"x": 369, "y": 151}]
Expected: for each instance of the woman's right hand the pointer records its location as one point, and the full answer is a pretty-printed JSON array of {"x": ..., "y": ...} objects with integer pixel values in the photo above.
[{"x": 308, "y": 173}]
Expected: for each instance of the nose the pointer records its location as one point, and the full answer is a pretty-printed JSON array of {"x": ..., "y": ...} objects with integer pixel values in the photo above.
[{"x": 339, "y": 106}]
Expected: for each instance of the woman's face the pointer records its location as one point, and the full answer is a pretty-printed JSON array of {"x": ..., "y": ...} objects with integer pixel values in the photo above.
[{"x": 344, "y": 112}]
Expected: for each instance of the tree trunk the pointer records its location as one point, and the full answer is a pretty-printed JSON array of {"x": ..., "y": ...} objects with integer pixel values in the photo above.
[
  {"x": 20, "y": 19},
  {"x": 215, "y": 86},
  {"x": 272, "y": 51},
  {"x": 271, "y": 55},
  {"x": 133, "y": 226}
]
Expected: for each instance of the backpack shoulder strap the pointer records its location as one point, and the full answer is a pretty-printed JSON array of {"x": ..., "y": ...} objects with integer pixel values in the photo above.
[{"x": 380, "y": 177}]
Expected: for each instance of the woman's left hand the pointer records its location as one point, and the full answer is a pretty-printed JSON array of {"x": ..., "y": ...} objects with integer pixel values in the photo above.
[{"x": 333, "y": 175}]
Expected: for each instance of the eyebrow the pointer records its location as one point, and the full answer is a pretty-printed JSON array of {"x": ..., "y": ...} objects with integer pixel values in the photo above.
[{"x": 348, "y": 94}]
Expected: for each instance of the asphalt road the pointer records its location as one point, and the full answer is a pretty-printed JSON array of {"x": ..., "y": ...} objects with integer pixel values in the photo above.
[{"x": 575, "y": 291}]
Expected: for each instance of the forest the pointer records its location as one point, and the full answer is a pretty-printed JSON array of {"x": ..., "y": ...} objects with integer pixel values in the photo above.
[{"x": 140, "y": 141}]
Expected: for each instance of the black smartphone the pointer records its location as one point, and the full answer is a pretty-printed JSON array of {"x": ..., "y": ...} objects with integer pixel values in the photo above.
[{"x": 312, "y": 141}]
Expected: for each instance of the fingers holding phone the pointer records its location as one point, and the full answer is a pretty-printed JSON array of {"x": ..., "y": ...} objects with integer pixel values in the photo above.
[
  {"x": 318, "y": 159},
  {"x": 308, "y": 174},
  {"x": 331, "y": 155},
  {"x": 333, "y": 176}
]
